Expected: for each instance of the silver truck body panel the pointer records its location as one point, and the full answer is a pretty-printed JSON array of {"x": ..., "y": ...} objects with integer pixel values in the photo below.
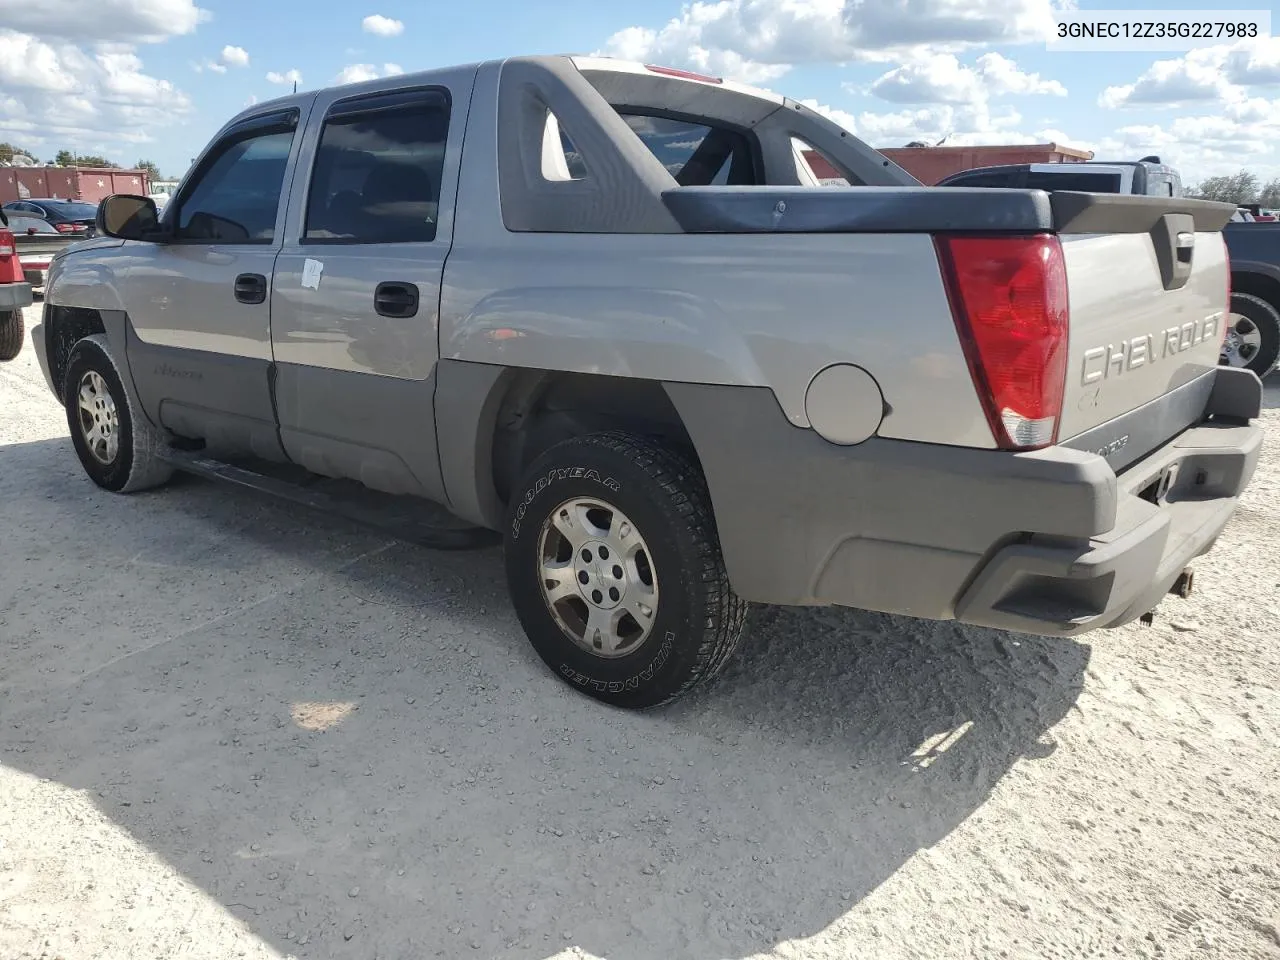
[
  {"x": 1131, "y": 340},
  {"x": 330, "y": 345}
]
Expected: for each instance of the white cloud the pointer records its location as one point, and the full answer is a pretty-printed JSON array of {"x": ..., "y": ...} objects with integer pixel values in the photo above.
[
  {"x": 54, "y": 94},
  {"x": 1254, "y": 62},
  {"x": 291, "y": 77},
  {"x": 964, "y": 124},
  {"x": 360, "y": 72},
  {"x": 382, "y": 26},
  {"x": 230, "y": 57},
  {"x": 1205, "y": 145},
  {"x": 1195, "y": 78},
  {"x": 841, "y": 117},
  {"x": 944, "y": 79},
  {"x": 757, "y": 40},
  {"x": 127, "y": 21},
  {"x": 1207, "y": 74}
]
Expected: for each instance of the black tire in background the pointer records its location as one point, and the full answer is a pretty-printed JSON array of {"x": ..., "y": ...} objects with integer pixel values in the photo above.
[
  {"x": 696, "y": 619},
  {"x": 135, "y": 464},
  {"x": 1256, "y": 315},
  {"x": 12, "y": 333}
]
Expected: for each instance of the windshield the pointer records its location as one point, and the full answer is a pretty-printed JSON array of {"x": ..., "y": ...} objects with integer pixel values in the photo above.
[{"x": 71, "y": 209}]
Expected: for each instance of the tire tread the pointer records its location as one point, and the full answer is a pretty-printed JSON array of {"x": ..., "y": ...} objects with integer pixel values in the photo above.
[
  {"x": 12, "y": 334},
  {"x": 688, "y": 496}
]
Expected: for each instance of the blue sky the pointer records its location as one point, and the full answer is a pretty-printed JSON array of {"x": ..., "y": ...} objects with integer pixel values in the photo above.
[{"x": 154, "y": 78}]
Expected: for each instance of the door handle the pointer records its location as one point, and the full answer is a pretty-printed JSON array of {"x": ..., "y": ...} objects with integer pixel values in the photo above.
[
  {"x": 394, "y": 299},
  {"x": 251, "y": 288}
]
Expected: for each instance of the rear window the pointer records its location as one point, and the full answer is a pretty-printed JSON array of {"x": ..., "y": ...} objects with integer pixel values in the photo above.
[
  {"x": 1001, "y": 178},
  {"x": 72, "y": 210},
  {"x": 695, "y": 154},
  {"x": 24, "y": 225},
  {"x": 1082, "y": 182}
]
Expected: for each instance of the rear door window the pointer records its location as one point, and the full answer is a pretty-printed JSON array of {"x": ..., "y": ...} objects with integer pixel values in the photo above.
[{"x": 378, "y": 171}]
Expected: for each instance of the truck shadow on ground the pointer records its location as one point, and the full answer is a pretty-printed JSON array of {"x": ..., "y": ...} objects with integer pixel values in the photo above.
[
  {"x": 349, "y": 744},
  {"x": 1271, "y": 391}
]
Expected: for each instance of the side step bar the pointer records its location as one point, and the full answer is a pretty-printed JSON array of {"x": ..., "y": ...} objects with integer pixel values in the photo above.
[{"x": 411, "y": 522}]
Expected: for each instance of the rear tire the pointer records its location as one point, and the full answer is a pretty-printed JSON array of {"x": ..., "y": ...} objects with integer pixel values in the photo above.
[
  {"x": 615, "y": 570},
  {"x": 12, "y": 332},
  {"x": 1253, "y": 334},
  {"x": 117, "y": 446}
]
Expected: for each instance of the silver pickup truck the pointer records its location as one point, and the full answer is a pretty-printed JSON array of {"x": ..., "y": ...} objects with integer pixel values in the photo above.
[{"x": 606, "y": 310}]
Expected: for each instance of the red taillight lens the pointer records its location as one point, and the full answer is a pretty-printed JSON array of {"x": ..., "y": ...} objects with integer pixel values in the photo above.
[
  {"x": 1009, "y": 299},
  {"x": 64, "y": 227},
  {"x": 10, "y": 265}
]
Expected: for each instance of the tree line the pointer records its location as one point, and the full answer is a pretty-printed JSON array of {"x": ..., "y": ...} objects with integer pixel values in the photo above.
[
  {"x": 1240, "y": 188},
  {"x": 65, "y": 158}
]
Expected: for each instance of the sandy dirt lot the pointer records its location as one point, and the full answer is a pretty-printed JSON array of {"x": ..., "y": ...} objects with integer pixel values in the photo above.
[{"x": 231, "y": 728}]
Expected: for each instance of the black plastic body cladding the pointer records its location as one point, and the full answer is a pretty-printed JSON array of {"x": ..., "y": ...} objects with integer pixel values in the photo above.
[
  {"x": 1050, "y": 542},
  {"x": 926, "y": 210}
]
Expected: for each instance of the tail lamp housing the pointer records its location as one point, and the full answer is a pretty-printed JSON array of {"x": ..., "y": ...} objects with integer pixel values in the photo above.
[
  {"x": 1008, "y": 297},
  {"x": 10, "y": 265}
]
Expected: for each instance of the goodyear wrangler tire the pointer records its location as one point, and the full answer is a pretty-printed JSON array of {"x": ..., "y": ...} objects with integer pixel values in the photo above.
[
  {"x": 117, "y": 446},
  {"x": 615, "y": 570}
]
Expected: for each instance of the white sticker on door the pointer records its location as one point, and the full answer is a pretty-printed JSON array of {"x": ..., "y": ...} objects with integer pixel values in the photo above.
[{"x": 311, "y": 270}]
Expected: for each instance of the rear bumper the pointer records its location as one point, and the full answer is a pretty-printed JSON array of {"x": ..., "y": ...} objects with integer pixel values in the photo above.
[
  {"x": 1052, "y": 542},
  {"x": 15, "y": 296},
  {"x": 1067, "y": 586}
]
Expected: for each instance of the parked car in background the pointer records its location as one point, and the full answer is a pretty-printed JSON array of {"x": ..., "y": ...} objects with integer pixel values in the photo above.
[
  {"x": 15, "y": 293},
  {"x": 1258, "y": 214},
  {"x": 1146, "y": 177},
  {"x": 66, "y": 216},
  {"x": 1253, "y": 333},
  {"x": 36, "y": 241}
]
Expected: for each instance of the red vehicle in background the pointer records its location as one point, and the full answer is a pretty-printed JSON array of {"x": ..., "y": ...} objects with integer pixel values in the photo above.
[{"x": 15, "y": 293}]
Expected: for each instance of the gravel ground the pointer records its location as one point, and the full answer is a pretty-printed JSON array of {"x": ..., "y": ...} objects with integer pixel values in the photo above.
[{"x": 230, "y": 728}]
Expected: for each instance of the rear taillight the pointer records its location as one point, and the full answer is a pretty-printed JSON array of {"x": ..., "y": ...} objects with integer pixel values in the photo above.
[
  {"x": 10, "y": 265},
  {"x": 1009, "y": 299},
  {"x": 65, "y": 227}
]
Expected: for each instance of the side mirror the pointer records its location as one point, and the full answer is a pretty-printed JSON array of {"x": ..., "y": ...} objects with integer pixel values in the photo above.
[
  {"x": 31, "y": 231},
  {"x": 127, "y": 217}
]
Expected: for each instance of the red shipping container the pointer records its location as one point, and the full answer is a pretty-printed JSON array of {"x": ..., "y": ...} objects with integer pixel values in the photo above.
[{"x": 70, "y": 183}]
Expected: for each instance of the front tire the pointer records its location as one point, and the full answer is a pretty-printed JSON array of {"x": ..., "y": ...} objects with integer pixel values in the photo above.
[
  {"x": 1253, "y": 335},
  {"x": 12, "y": 333},
  {"x": 615, "y": 570},
  {"x": 117, "y": 446}
]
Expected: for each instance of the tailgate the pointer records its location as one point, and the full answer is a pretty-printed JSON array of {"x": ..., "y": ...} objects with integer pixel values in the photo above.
[{"x": 1147, "y": 281}]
